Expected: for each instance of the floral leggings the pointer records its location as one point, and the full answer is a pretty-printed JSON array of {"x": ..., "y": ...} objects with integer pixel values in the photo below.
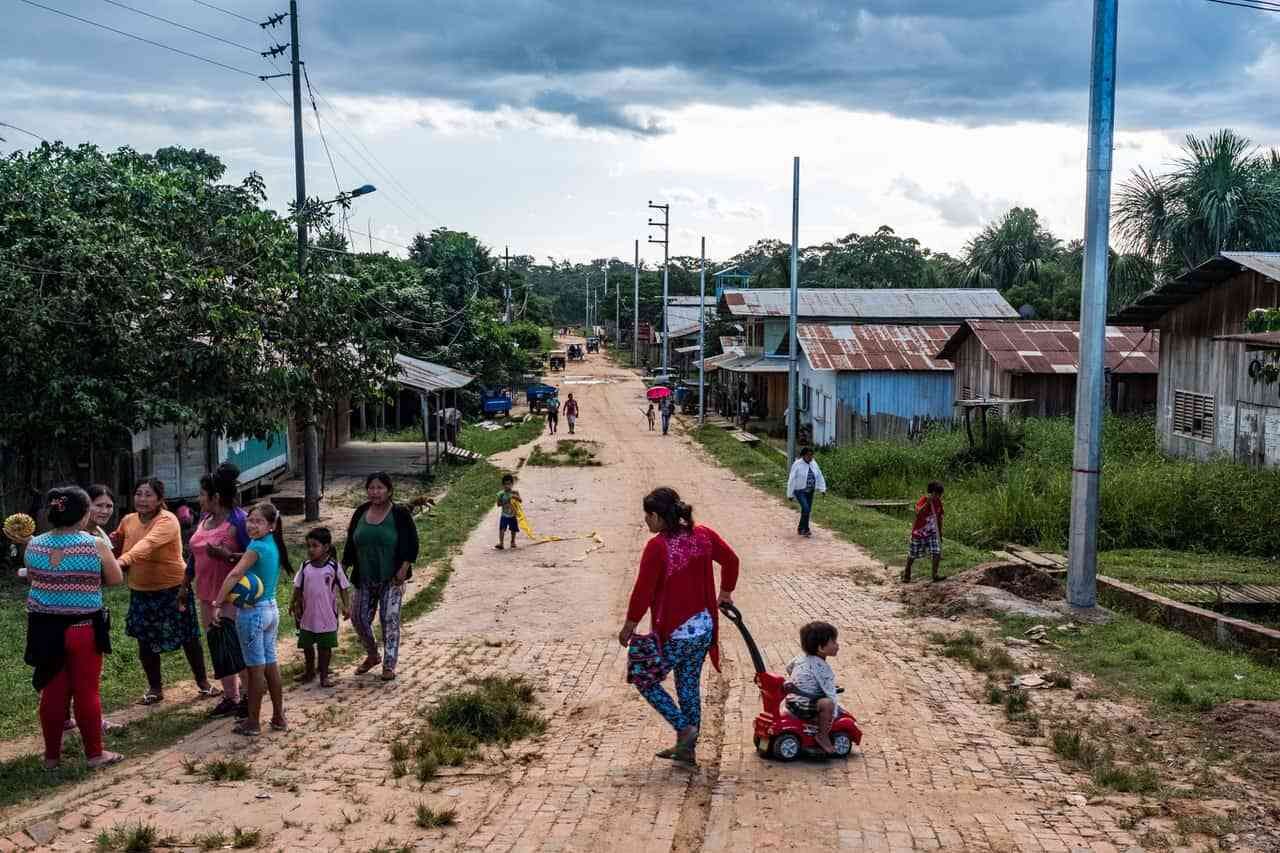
[
  {"x": 383, "y": 599},
  {"x": 684, "y": 658}
]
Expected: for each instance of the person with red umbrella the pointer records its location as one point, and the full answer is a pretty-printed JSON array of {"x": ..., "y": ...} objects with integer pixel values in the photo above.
[{"x": 666, "y": 404}]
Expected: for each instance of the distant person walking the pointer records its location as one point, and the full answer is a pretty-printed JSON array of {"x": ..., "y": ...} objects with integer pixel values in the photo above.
[
  {"x": 150, "y": 541},
  {"x": 552, "y": 404},
  {"x": 806, "y": 479},
  {"x": 381, "y": 547},
  {"x": 67, "y": 626},
  {"x": 571, "y": 412},
  {"x": 676, "y": 586},
  {"x": 668, "y": 406},
  {"x": 651, "y": 415}
]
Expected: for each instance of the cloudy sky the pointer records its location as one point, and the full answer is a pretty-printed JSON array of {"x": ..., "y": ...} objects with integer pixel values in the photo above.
[{"x": 547, "y": 125}]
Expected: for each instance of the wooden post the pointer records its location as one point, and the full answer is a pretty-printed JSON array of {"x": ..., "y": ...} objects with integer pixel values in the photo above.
[{"x": 426, "y": 436}]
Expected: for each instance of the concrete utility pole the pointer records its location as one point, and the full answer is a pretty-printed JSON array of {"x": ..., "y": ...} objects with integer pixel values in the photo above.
[
  {"x": 586, "y": 332},
  {"x": 1082, "y": 569},
  {"x": 793, "y": 370},
  {"x": 310, "y": 435},
  {"x": 506, "y": 283},
  {"x": 635, "y": 307},
  {"x": 665, "y": 225},
  {"x": 606, "y": 289},
  {"x": 702, "y": 336},
  {"x": 617, "y": 317}
]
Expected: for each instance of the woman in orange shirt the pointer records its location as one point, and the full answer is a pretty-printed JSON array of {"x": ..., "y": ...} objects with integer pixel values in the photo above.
[{"x": 150, "y": 541}]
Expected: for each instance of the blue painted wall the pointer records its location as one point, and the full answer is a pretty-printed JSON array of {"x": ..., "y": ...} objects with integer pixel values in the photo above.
[{"x": 902, "y": 393}]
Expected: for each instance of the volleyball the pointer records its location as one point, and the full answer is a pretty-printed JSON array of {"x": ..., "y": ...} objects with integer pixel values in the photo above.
[{"x": 247, "y": 591}]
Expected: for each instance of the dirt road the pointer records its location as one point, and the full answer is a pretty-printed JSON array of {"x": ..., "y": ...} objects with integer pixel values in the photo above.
[{"x": 935, "y": 771}]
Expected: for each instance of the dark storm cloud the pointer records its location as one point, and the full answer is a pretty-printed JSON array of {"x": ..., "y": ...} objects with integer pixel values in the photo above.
[{"x": 610, "y": 64}]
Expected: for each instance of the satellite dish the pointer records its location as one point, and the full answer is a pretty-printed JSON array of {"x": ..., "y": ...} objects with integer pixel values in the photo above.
[{"x": 1026, "y": 312}]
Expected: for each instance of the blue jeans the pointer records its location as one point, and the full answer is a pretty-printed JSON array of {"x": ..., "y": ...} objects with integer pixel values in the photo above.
[
  {"x": 666, "y": 421},
  {"x": 257, "y": 627},
  {"x": 804, "y": 497},
  {"x": 684, "y": 658}
]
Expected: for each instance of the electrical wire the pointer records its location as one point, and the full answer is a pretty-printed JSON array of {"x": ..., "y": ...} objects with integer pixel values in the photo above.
[
  {"x": 182, "y": 26},
  {"x": 22, "y": 130},
  {"x": 324, "y": 142},
  {"x": 225, "y": 11},
  {"x": 137, "y": 37},
  {"x": 1256, "y": 5}
]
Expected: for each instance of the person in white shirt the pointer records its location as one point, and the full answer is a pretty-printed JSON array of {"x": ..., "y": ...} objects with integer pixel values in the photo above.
[
  {"x": 810, "y": 673},
  {"x": 806, "y": 478}
]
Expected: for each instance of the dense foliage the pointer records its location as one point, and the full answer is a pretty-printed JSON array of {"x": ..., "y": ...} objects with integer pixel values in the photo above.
[{"x": 1147, "y": 501}]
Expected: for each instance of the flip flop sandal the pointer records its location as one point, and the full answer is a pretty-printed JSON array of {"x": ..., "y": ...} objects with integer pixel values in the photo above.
[
  {"x": 209, "y": 692},
  {"x": 150, "y": 698},
  {"x": 279, "y": 727},
  {"x": 105, "y": 760},
  {"x": 245, "y": 730},
  {"x": 388, "y": 675},
  {"x": 367, "y": 665}
]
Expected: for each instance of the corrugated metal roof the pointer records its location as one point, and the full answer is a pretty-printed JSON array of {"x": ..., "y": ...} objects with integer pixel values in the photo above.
[
  {"x": 1053, "y": 346},
  {"x": 874, "y": 346},
  {"x": 877, "y": 305},
  {"x": 754, "y": 363},
  {"x": 1154, "y": 304},
  {"x": 683, "y": 318},
  {"x": 427, "y": 376},
  {"x": 1253, "y": 340},
  {"x": 690, "y": 300}
]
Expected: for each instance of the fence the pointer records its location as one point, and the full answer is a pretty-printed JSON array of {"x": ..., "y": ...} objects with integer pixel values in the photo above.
[{"x": 852, "y": 425}]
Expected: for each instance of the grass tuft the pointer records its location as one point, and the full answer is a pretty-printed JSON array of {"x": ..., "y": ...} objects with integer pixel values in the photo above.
[
  {"x": 569, "y": 452},
  {"x": 128, "y": 838},
  {"x": 225, "y": 770},
  {"x": 246, "y": 839},
  {"x": 210, "y": 841},
  {"x": 429, "y": 818}
]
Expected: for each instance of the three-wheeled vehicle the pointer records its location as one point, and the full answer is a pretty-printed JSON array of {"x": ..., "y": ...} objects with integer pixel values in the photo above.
[
  {"x": 575, "y": 352},
  {"x": 556, "y": 359},
  {"x": 536, "y": 394},
  {"x": 593, "y": 344},
  {"x": 495, "y": 402}
]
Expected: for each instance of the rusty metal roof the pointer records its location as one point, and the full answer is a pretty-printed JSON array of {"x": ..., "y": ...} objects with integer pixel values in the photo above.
[
  {"x": 1053, "y": 346},
  {"x": 874, "y": 346},
  {"x": 1253, "y": 341},
  {"x": 1148, "y": 308},
  {"x": 905, "y": 305}
]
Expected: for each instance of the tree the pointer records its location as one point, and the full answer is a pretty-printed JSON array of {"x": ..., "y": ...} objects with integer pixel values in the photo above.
[
  {"x": 1222, "y": 193},
  {"x": 1010, "y": 252}
]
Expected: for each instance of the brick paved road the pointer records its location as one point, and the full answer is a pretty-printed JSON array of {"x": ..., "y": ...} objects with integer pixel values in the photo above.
[{"x": 936, "y": 770}]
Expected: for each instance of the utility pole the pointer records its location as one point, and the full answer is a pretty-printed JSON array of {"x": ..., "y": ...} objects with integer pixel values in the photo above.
[
  {"x": 793, "y": 370},
  {"x": 506, "y": 283},
  {"x": 586, "y": 331},
  {"x": 606, "y": 287},
  {"x": 310, "y": 437},
  {"x": 665, "y": 225},
  {"x": 702, "y": 337},
  {"x": 635, "y": 308},
  {"x": 617, "y": 317},
  {"x": 1082, "y": 568},
  {"x": 371, "y": 235}
]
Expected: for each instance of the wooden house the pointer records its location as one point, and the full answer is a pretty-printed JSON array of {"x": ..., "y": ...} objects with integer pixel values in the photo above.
[
  {"x": 761, "y": 372},
  {"x": 1208, "y": 403},
  {"x": 872, "y": 381},
  {"x": 1038, "y": 360}
]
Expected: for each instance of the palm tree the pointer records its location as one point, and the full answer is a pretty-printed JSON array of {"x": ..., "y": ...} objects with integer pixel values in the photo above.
[
  {"x": 1221, "y": 194},
  {"x": 1010, "y": 252}
]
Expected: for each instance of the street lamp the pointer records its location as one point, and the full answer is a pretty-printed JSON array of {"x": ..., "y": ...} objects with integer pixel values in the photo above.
[{"x": 310, "y": 434}]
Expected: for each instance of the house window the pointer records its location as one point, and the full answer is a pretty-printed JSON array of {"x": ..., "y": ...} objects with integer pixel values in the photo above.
[
  {"x": 1193, "y": 415},
  {"x": 806, "y": 397}
]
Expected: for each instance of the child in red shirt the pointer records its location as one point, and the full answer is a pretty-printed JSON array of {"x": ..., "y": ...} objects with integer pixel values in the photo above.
[{"x": 926, "y": 532}]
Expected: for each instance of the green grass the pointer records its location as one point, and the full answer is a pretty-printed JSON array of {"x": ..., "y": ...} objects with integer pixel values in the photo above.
[
  {"x": 882, "y": 536},
  {"x": 548, "y": 339},
  {"x": 1135, "y": 564},
  {"x": 569, "y": 452},
  {"x": 488, "y": 442},
  {"x": 1170, "y": 670},
  {"x": 426, "y": 817},
  {"x": 491, "y": 710}
]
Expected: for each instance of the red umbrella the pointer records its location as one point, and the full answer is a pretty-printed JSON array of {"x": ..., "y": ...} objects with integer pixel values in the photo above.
[{"x": 657, "y": 392}]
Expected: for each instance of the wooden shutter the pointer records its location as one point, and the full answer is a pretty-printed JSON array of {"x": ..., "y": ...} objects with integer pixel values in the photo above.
[{"x": 1193, "y": 415}]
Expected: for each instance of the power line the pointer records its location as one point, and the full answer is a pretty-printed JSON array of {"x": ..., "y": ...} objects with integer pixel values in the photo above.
[
  {"x": 325, "y": 143},
  {"x": 140, "y": 38},
  {"x": 182, "y": 26},
  {"x": 22, "y": 130},
  {"x": 1256, "y": 5},
  {"x": 225, "y": 11}
]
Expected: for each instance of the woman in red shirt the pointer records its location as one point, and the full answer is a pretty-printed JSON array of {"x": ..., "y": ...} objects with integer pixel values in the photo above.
[{"x": 677, "y": 586}]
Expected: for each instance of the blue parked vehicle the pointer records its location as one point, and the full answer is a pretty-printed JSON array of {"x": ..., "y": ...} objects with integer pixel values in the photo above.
[
  {"x": 494, "y": 403},
  {"x": 537, "y": 393}
]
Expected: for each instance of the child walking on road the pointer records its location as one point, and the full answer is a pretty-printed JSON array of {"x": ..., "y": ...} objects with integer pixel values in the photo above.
[
  {"x": 926, "y": 532},
  {"x": 651, "y": 415},
  {"x": 506, "y": 501},
  {"x": 317, "y": 588}
]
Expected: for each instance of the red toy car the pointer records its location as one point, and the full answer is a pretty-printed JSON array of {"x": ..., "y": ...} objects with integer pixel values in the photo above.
[{"x": 785, "y": 729}]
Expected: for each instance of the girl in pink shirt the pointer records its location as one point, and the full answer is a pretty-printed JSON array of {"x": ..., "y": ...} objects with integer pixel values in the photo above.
[{"x": 318, "y": 587}]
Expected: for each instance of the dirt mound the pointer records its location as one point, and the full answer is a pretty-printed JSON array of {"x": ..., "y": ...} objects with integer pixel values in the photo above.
[
  {"x": 1022, "y": 581},
  {"x": 1251, "y": 726}
]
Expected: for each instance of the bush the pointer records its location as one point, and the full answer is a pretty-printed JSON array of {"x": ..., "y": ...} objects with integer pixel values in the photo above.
[{"x": 1023, "y": 494}]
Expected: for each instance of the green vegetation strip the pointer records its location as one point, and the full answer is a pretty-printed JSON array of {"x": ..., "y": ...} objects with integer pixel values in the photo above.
[
  {"x": 882, "y": 536},
  {"x": 488, "y": 442},
  {"x": 470, "y": 493},
  {"x": 568, "y": 453}
]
